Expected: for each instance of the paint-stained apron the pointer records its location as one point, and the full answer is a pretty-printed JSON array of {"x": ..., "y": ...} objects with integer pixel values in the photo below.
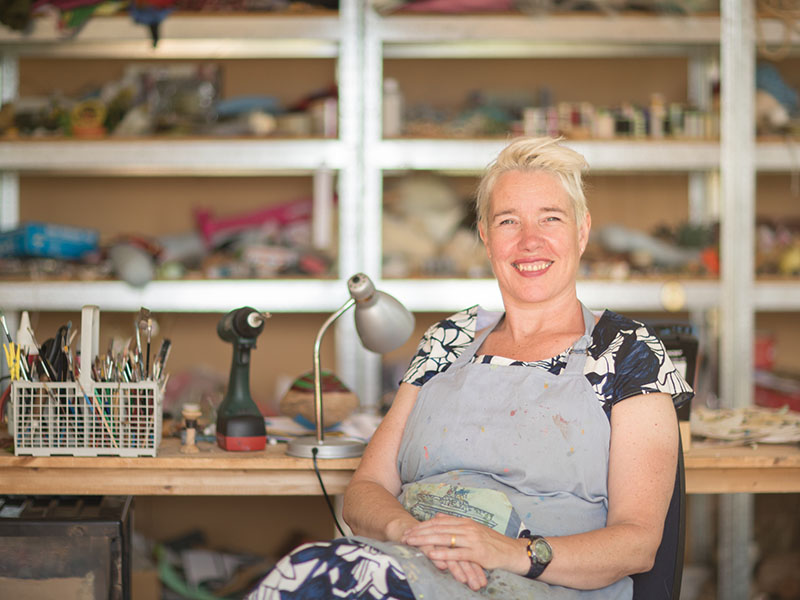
[{"x": 513, "y": 447}]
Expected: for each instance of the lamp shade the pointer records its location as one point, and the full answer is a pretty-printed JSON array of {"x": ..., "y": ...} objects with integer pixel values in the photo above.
[{"x": 382, "y": 322}]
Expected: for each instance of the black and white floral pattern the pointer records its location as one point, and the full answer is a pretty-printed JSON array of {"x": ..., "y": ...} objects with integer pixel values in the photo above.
[
  {"x": 624, "y": 359},
  {"x": 341, "y": 568}
]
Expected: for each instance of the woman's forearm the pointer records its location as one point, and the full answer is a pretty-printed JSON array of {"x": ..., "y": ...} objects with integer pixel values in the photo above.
[
  {"x": 598, "y": 558},
  {"x": 372, "y": 511}
]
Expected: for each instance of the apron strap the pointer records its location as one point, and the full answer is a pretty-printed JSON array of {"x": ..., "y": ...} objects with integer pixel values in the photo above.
[
  {"x": 470, "y": 350},
  {"x": 577, "y": 357}
]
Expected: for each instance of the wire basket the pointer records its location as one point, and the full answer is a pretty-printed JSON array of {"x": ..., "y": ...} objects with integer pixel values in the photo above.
[{"x": 110, "y": 419}]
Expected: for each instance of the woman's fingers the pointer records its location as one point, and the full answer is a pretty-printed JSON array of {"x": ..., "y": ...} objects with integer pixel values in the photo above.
[
  {"x": 463, "y": 546},
  {"x": 468, "y": 573},
  {"x": 446, "y": 538},
  {"x": 449, "y": 532},
  {"x": 457, "y": 570},
  {"x": 439, "y": 564},
  {"x": 476, "y": 577},
  {"x": 464, "y": 571}
]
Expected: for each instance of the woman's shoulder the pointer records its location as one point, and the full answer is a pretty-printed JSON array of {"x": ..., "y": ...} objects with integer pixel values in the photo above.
[
  {"x": 611, "y": 326},
  {"x": 626, "y": 358},
  {"x": 444, "y": 341}
]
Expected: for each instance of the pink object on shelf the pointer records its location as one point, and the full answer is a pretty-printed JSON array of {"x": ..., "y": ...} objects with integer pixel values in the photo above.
[{"x": 213, "y": 228}]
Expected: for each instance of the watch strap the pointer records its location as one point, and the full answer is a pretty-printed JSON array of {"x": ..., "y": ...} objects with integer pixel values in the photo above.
[{"x": 537, "y": 567}]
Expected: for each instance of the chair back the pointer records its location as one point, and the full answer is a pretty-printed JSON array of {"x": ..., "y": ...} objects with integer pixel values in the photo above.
[{"x": 663, "y": 581}]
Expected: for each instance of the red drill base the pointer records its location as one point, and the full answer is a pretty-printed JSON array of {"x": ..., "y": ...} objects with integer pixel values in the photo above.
[{"x": 241, "y": 444}]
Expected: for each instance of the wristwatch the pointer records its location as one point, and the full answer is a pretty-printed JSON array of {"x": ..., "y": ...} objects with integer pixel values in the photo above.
[{"x": 539, "y": 552}]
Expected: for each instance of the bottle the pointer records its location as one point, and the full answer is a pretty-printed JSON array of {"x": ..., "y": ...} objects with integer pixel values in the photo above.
[
  {"x": 392, "y": 109},
  {"x": 657, "y": 115}
]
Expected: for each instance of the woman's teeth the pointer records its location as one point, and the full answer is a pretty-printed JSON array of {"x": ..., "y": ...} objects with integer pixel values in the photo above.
[{"x": 529, "y": 267}]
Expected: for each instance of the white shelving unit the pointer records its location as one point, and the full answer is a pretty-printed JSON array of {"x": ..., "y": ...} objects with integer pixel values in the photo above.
[
  {"x": 777, "y": 156},
  {"x": 198, "y": 37},
  {"x": 360, "y": 40},
  {"x": 468, "y": 37},
  {"x": 201, "y": 37}
]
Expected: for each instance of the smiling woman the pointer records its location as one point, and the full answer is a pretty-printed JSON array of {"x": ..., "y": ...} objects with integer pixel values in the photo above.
[
  {"x": 495, "y": 472},
  {"x": 533, "y": 238}
]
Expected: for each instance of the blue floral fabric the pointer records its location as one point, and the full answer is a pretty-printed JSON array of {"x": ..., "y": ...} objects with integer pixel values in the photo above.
[
  {"x": 624, "y": 359},
  {"x": 342, "y": 568}
]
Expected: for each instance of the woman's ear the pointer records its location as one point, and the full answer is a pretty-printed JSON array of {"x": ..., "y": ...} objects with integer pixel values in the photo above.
[{"x": 482, "y": 235}]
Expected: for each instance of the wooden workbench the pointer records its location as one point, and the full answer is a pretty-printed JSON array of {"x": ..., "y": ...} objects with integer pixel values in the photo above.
[
  {"x": 211, "y": 472},
  {"x": 760, "y": 469},
  {"x": 214, "y": 472}
]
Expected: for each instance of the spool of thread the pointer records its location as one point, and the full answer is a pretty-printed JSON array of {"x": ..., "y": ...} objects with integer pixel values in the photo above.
[{"x": 190, "y": 412}]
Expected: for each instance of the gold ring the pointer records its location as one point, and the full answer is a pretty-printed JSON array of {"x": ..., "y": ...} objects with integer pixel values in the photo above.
[{"x": 452, "y": 541}]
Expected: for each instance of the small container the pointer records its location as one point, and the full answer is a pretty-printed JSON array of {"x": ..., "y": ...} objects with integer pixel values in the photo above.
[
  {"x": 392, "y": 109},
  {"x": 111, "y": 419},
  {"x": 86, "y": 417}
]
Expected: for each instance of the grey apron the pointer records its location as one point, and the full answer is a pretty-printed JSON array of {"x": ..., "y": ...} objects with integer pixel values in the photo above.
[{"x": 513, "y": 447}]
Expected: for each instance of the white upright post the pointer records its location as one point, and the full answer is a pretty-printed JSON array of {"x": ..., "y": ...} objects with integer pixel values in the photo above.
[{"x": 737, "y": 139}]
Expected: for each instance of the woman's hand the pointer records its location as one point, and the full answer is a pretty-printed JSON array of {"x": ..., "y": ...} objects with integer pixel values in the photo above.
[{"x": 466, "y": 548}]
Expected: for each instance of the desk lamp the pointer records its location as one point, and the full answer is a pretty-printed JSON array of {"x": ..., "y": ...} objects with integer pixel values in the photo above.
[{"x": 383, "y": 324}]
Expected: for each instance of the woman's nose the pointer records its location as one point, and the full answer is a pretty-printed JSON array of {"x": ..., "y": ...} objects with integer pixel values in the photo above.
[{"x": 530, "y": 236}]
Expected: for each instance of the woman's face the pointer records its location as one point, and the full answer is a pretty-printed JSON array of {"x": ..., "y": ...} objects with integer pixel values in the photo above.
[{"x": 532, "y": 238}]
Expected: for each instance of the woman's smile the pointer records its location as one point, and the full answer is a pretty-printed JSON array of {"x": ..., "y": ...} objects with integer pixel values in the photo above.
[{"x": 532, "y": 266}]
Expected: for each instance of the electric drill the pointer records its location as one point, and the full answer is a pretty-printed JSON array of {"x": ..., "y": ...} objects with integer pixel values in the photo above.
[{"x": 240, "y": 425}]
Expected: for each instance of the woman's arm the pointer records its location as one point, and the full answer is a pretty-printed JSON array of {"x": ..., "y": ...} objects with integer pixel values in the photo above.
[
  {"x": 641, "y": 478},
  {"x": 642, "y": 462},
  {"x": 371, "y": 507}
]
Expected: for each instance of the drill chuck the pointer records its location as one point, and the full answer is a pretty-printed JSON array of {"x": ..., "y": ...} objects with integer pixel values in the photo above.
[{"x": 243, "y": 322}]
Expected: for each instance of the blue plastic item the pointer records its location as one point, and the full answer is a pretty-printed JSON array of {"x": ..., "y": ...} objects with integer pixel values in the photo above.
[{"x": 50, "y": 241}]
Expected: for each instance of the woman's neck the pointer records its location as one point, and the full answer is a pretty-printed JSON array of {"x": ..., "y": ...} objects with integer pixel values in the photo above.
[{"x": 536, "y": 332}]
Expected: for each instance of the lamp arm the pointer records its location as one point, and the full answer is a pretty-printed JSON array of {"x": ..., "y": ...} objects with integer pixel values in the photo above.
[{"x": 317, "y": 374}]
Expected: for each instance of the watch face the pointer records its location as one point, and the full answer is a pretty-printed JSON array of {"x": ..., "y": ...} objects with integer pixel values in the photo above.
[{"x": 542, "y": 551}]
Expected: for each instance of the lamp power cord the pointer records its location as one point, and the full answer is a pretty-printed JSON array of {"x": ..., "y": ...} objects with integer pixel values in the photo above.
[{"x": 314, "y": 452}]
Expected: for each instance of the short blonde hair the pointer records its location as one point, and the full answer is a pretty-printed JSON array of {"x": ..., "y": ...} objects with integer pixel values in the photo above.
[{"x": 536, "y": 154}]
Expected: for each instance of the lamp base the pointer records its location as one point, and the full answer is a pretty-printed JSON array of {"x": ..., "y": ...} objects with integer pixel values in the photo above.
[{"x": 329, "y": 448}]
